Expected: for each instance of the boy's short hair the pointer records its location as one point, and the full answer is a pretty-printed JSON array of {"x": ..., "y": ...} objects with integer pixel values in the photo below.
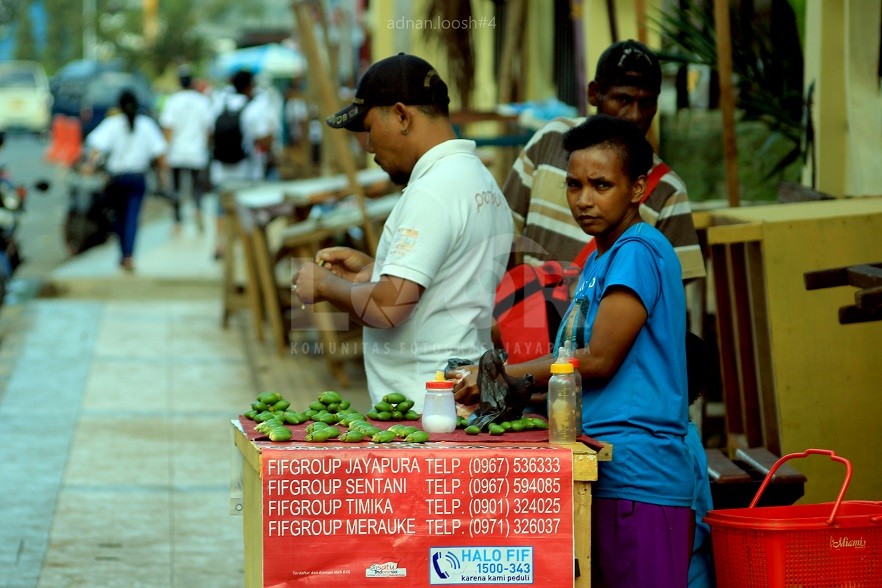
[{"x": 602, "y": 130}]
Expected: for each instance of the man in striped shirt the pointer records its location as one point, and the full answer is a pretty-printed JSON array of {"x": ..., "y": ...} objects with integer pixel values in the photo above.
[{"x": 626, "y": 85}]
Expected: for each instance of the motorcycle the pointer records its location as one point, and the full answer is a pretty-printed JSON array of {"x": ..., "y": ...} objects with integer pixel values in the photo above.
[
  {"x": 90, "y": 215},
  {"x": 12, "y": 206}
]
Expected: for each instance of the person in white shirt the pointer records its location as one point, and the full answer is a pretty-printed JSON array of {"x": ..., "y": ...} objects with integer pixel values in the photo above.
[
  {"x": 428, "y": 296},
  {"x": 131, "y": 142},
  {"x": 186, "y": 120},
  {"x": 259, "y": 124}
]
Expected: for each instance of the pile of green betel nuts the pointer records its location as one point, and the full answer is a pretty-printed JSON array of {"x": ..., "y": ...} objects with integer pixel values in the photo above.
[
  {"x": 522, "y": 424},
  {"x": 331, "y": 418},
  {"x": 329, "y": 413}
]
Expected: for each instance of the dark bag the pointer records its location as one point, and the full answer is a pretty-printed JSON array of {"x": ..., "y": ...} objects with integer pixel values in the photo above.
[
  {"x": 531, "y": 300},
  {"x": 228, "y": 137}
]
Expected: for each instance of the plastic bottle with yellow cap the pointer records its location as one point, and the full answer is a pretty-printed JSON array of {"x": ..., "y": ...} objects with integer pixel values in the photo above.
[
  {"x": 439, "y": 407},
  {"x": 564, "y": 404}
]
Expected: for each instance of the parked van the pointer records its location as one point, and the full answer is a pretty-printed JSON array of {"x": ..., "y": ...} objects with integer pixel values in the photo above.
[{"x": 25, "y": 99}]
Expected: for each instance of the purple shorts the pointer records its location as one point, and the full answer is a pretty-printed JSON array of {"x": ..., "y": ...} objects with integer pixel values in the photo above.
[{"x": 636, "y": 544}]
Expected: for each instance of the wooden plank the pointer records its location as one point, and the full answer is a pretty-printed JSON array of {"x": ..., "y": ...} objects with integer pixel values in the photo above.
[
  {"x": 582, "y": 533},
  {"x": 852, "y": 314},
  {"x": 329, "y": 101},
  {"x": 868, "y": 299},
  {"x": 762, "y": 460},
  {"x": 727, "y": 99},
  {"x": 745, "y": 348},
  {"x": 720, "y": 234},
  {"x": 763, "y": 361},
  {"x": 725, "y": 319},
  {"x": 828, "y": 278},
  {"x": 267, "y": 279},
  {"x": 722, "y": 470},
  {"x": 864, "y": 276}
]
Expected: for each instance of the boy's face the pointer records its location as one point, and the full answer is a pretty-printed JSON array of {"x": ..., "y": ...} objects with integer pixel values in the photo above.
[{"x": 603, "y": 200}]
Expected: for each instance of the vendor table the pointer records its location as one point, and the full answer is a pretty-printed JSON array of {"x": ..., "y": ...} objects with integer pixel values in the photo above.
[{"x": 485, "y": 513}]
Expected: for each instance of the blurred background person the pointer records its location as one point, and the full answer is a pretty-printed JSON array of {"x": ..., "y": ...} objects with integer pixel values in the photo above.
[
  {"x": 131, "y": 143},
  {"x": 246, "y": 123},
  {"x": 186, "y": 121}
]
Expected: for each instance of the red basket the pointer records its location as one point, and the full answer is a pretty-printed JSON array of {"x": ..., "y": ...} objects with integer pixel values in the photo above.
[{"x": 824, "y": 545}]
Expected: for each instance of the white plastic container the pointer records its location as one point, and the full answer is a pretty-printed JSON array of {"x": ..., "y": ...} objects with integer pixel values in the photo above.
[{"x": 439, "y": 407}]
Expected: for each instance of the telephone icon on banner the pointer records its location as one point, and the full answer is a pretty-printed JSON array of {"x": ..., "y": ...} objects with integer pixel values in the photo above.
[
  {"x": 436, "y": 559},
  {"x": 444, "y": 562}
]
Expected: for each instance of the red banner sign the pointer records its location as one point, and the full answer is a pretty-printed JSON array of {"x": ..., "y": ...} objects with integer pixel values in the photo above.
[{"x": 424, "y": 515}]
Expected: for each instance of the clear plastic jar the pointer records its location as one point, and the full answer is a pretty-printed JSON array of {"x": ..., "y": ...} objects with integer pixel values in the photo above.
[
  {"x": 564, "y": 405},
  {"x": 439, "y": 407}
]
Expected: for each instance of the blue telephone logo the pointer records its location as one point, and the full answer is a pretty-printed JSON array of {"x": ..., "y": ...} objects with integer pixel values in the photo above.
[{"x": 444, "y": 565}]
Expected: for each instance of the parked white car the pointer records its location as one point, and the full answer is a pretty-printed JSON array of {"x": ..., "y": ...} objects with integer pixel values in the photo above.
[{"x": 25, "y": 99}]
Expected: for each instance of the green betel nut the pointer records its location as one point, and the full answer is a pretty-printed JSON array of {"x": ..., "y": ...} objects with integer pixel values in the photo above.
[
  {"x": 280, "y": 434},
  {"x": 332, "y": 432},
  {"x": 330, "y": 397},
  {"x": 318, "y": 436},
  {"x": 383, "y": 407},
  {"x": 269, "y": 398},
  {"x": 280, "y": 405},
  {"x": 352, "y": 436},
  {"x": 417, "y": 437},
  {"x": 384, "y": 437},
  {"x": 404, "y": 406},
  {"x": 394, "y": 398}
]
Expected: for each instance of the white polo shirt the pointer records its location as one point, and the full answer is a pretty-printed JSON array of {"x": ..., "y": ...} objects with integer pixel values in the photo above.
[
  {"x": 188, "y": 115},
  {"x": 451, "y": 232}
]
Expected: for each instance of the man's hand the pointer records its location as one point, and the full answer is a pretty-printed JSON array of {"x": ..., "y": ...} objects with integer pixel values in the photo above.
[
  {"x": 346, "y": 263},
  {"x": 306, "y": 283}
]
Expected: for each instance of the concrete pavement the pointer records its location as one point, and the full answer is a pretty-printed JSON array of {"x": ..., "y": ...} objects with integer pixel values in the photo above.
[{"x": 116, "y": 396}]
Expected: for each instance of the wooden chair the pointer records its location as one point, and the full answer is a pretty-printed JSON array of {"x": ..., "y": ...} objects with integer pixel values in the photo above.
[{"x": 234, "y": 295}]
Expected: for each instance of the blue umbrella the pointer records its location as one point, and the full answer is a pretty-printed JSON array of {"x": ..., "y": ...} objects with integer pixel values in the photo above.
[{"x": 273, "y": 59}]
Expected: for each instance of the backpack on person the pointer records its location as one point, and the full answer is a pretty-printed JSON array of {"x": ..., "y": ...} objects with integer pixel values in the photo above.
[{"x": 228, "y": 137}]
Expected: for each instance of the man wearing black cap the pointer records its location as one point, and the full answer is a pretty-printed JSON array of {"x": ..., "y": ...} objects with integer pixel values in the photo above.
[
  {"x": 626, "y": 85},
  {"x": 428, "y": 296}
]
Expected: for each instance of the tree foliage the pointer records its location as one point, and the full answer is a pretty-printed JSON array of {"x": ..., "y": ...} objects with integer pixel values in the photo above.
[
  {"x": 9, "y": 10},
  {"x": 766, "y": 60},
  {"x": 25, "y": 44},
  {"x": 120, "y": 31}
]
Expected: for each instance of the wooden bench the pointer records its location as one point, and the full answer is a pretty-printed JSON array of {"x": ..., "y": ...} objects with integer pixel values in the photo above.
[{"x": 734, "y": 482}]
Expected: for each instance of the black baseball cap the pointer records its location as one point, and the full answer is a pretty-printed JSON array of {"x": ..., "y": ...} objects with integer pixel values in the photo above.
[
  {"x": 401, "y": 78},
  {"x": 629, "y": 63}
]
